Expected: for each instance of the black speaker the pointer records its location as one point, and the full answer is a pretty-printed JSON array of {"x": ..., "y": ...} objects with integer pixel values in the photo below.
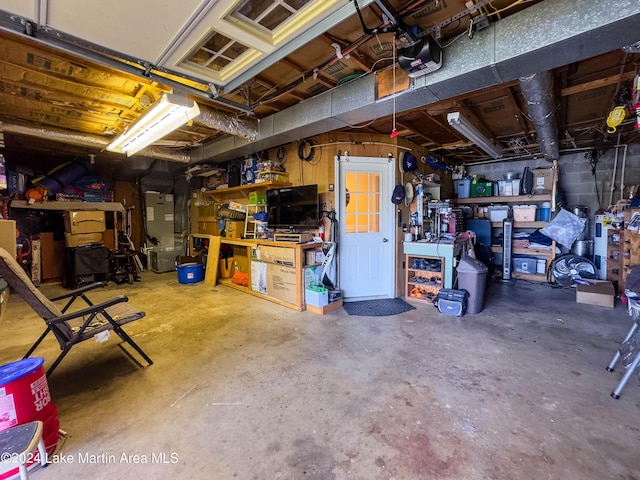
[
  {"x": 526, "y": 184},
  {"x": 234, "y": 173}
]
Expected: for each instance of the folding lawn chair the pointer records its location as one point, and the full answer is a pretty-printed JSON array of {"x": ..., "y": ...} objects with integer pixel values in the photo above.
[
  {"x": 77, "y": 326},
  {"x": 629, "y": 351}
]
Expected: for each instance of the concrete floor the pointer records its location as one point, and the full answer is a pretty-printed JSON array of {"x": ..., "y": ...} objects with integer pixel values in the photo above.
[{"x": 242, "y": 388}]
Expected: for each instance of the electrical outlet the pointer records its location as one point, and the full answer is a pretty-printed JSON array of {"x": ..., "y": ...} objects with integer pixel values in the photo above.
[{"x": 480, "y": 22}]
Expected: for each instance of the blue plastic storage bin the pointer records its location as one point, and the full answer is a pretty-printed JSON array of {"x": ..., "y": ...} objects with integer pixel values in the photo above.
[
  {"x": 463, "y": 188},
  {"x": 190, "y": 272}
]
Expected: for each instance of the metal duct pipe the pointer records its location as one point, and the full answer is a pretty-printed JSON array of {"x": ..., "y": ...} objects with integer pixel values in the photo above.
[
  {"x": 91, "y": 141},
  {"x": 537, "y": 90},
  {"x": 227, "y": 123}
]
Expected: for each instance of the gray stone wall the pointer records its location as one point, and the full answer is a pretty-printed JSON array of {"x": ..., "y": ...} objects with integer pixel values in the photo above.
[{"x": 577, "y": 185}]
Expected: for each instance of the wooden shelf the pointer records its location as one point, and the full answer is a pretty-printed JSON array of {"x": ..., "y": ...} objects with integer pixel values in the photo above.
[
  {"x": 522, "y": 224},
  {"x": 245, "y": 189},
  {"x": 524, "y": 251},
  {"x": 426, "y": 286},
  {"x": 411, "y": 272},
  {"x": 535, "y": 277},
  {"x": 506, "y": 199},
  {"x": 59, "y": 205},
  {"x": 228, "y": 283}
]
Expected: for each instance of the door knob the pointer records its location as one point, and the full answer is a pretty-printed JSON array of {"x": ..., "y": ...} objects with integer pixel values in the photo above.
[{"x": 385, "y": 239}]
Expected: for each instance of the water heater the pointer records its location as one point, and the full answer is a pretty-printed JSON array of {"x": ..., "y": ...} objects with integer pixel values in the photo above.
[{"x": 602, "y": 226}]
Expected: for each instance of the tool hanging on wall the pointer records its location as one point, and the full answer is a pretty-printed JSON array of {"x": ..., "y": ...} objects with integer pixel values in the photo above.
[
  {"x": 635, "y": 100},
  {"x": 619, "y": 112}
]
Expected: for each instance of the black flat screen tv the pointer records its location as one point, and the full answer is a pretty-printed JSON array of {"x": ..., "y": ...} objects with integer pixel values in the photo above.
[{"x": 293, "y": 208}]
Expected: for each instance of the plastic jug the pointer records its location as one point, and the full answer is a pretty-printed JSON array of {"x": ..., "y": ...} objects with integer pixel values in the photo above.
[{"x": 545, "y": 211}]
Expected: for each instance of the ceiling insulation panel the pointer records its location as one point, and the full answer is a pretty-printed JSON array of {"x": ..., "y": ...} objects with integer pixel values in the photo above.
[
  {"x": 499, "y": 113},
  {"x": 22, "y": 8},
  {"x": 140, "y": 28},
  {"x": 586, "y": 106},
  {"x": 49, "y": 66},
  {"x": 80, "y": 97},
  {"x": 60, "y": 116}
]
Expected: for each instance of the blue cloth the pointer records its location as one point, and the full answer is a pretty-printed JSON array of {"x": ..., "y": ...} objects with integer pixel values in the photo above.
[
  {"x": 540, "y": 238},
  {"x": 261, "y": 216}
]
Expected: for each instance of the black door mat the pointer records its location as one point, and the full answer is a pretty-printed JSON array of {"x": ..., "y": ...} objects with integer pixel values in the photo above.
[{"x": 378, "y": 308}]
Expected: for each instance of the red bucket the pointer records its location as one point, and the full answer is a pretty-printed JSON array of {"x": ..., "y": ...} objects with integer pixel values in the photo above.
[
  {"x": 25, "y": 397},
  {"x": 24, "y": 393}
]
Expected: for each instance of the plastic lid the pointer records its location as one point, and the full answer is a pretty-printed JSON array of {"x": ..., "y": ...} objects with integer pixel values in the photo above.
[
  {"x": 546, "y": 204},
  {"x": 15, "y": 370},
  {"x": 471, "y": 265}
]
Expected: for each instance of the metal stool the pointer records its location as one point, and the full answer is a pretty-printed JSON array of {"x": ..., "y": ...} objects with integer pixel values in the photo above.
[
  {"x": 18, "y": 446},
  {"x": 634, "y": 311}
]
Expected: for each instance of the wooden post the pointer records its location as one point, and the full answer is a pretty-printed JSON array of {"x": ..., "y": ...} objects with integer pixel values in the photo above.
[{"x": 211, "y": 272}]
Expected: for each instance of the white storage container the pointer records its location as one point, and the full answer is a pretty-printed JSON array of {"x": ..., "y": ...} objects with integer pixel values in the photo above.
[
  {"x": 509, "y": 188},
  {"x": 498, "y": 213},
  {"x": 524, "y": 264},
  {"x": 524, "y": 213}
]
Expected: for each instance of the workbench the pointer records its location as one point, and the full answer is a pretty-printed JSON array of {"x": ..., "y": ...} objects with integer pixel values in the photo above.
[{"x": 276, "y": 270}]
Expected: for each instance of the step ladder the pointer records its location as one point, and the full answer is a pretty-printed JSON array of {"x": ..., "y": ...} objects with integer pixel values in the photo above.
[{"x": 249, "y": 221}]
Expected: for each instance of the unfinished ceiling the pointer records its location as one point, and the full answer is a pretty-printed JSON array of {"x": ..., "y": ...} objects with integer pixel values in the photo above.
[{"x": 267, "y": 73}]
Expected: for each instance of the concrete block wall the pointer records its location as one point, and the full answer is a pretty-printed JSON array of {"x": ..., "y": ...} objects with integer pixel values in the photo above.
[{"x": 577, "y": 184}]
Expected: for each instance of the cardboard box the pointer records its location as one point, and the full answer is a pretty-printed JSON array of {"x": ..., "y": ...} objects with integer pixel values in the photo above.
[
  {"x": 80, "y": 239},
  {"x": 601, "y": 293},
  {"x": 316, "y": 298},
  {"x": 109, "y": 239},
  {"x": 36, "y": 272},
  {"x": 542, "y": 180},
  {"x": 208, "y": 228},
  {"x": 52, "y": 256},
  {"x": 234, "y": 229},
  {"x": 281, "y": 283},
  {"x": 259, "y": 277},
  {"x": 313, "y": 257},
  {"x": 8, "y": 236},
  {"x": 82, "y": 221},
  {"x": 278, "y": 255},
  {"x": 4, "y": 298}
]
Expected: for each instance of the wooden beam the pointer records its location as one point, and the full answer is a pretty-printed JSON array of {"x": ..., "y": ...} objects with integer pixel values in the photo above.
[
  {"x": 410, "y": 127},
  {"x": 511, "y": 100},
  {"x": 346, "y": 50},
  {"x": 601, "y": 82},
  {"x": 270, "y": 86},
  {"x": 303, "y": 71}
]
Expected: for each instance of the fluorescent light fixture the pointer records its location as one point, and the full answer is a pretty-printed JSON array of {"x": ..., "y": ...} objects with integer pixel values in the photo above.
[
  {"x": 465, "y": 127},
  {"x": 166, "y": 115}
]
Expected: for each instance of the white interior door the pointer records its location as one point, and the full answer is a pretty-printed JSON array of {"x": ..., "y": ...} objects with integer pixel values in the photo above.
[{"x": 366, "y": 260}]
